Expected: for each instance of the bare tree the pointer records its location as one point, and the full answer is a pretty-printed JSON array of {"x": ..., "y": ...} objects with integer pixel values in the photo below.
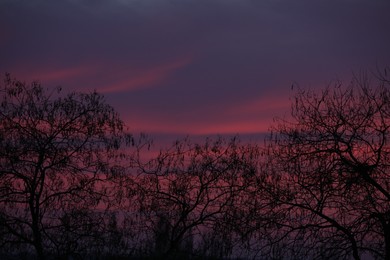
[
  {"x": 328, "y": 171},
  {"x": 56, "y": 156},
  {"x": 189, "y": 192}
]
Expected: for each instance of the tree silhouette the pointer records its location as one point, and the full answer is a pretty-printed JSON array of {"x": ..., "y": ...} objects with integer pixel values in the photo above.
[
  {"x": 56, "y": 155},
  {"x": 318, "y": 189},
  {"x": 328, "y": 171},
  {"x": 188, "y": 193}
]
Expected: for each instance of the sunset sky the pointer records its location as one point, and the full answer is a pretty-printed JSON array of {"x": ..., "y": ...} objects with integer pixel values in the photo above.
[{"x": 195, "y": 67}]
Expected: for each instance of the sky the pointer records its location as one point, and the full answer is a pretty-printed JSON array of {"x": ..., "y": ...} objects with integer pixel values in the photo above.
[{"x": 193, "y": 67}]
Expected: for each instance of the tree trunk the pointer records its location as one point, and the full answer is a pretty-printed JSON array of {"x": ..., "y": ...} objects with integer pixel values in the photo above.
[
  {"x": 37, "y": 238},
  {"x": 386, "y": 232},
  {"x": 355, "y": 251}
]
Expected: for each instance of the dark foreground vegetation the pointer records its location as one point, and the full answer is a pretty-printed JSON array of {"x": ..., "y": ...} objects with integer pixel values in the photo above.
[{"x": 75, "y": 185}]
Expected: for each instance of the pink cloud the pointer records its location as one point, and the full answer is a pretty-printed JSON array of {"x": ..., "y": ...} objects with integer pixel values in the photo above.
[
  {"x": 102, "y": 77},
  {"x": 145, "y": 78},
  {"x": 53, "y": 75},
  {"x": 270, "y": 104},
  {"x": 192, "y": 127},
  {"x": 237, "y": 127},
  {"x": 198, "y": 128},
  {"x": 255, "y": 116}
]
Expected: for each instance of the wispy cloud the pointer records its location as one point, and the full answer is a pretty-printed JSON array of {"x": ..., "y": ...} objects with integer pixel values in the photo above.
[
  {"x": 147, "y": 77},
  {"x": 269, "y": 104},
  {"x": 193, "y": 127},
  {"x": 103, "y": 78},
  {"x": 50, "y": 75}
]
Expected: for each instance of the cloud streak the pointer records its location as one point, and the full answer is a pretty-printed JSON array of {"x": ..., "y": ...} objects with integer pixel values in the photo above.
[
  {"x": 50, "y": 75},
  {"x": 148, "y": 77}
]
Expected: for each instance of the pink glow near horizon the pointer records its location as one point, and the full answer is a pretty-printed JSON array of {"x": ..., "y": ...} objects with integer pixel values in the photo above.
[{"x": 260, "y": 115}]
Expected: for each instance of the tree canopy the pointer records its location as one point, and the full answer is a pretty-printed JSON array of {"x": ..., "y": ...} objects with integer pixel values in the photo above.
[
  {"x": 74, "y": 183},
  {"x": 329, "y": 169},
  {"x": 56, "y": 151}
]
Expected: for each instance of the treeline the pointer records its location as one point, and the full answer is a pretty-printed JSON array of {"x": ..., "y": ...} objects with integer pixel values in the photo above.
[{"x": 74, "y": 184}]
